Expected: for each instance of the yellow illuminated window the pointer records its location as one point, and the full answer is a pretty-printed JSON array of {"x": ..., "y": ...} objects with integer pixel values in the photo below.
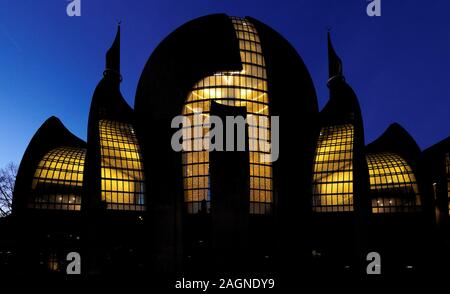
[
  {"x": 393, "y": 186},
  {"x": 58, "y": 180},
  {"x": 53, "y": 263},
  {"x": 333, "y": 170},
  {"x": 122, "y": 176},
  {"x": 245, "y": 88}
]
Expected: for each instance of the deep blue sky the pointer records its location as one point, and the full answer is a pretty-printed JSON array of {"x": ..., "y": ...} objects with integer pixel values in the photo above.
[{"x": 398, "y": 64}]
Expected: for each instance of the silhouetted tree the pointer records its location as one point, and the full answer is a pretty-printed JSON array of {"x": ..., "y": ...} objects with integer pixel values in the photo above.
[{"x": 7, "y": 180}]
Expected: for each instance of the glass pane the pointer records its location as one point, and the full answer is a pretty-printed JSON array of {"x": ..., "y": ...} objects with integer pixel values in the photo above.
[
  {"x": 122, "y": 172},
  {"x": 393, "y": 186},
  {"x": 333, "y": 170},
  {"x": 246, "y": 88},
  {"x": 58, "y": 180}
]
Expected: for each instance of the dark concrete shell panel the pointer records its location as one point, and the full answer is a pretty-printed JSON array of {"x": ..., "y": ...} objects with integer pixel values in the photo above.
[
  {"x": 292, "y": 97},
  {"x": 198, "y": 49}
]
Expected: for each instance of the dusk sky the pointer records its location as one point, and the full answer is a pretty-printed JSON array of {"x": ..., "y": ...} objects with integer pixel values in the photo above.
[{"x": 398, "y": 63}]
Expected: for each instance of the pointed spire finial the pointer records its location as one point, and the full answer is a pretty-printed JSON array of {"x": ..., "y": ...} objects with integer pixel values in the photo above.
[
  {"x": 113, "y": 54},
  {"x": 334, "y": 62}
]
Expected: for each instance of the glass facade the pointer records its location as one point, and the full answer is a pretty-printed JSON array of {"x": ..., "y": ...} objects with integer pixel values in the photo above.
[
  {"x": 333, "y": 170},
  {"x": 58, "y": 180},
  {"x": 393, "y": 185},
  {"x": 245, "y": 88},
  {"x": 53, "y": 263},
  {"x": 122, "y": 175}
]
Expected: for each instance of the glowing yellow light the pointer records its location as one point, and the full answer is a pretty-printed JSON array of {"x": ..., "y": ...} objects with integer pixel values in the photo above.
[
  {"x": 333, "y": 170},
  {"x": 235, "y": 88},
  {"x": 122, "y": 173},
  {"x": 60, "y": 170},
  {"x": 390, "y": 175}
]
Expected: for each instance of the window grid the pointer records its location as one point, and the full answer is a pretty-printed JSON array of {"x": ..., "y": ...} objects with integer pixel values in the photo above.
[
  {"x": 122, "y": 176},
  {"x": 392, "y": 184},
  {"x": 333, "y": 170},
  {"x": 58, "y": 180},
  {"x": 246, "y": 88}
]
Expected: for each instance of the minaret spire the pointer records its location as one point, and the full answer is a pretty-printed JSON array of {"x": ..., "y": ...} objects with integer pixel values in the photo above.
[
  {"x": 334, "y": 62},
  {"x": 113, "y": 56}
]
